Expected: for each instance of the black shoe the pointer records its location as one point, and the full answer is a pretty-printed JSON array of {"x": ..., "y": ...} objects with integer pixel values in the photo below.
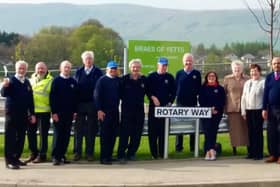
[
  {"x": 131, "y": 158},
  {"x": 56, "y": 162},
  {"x": 89, "y": 158},
  {"x": 249, "y": 157},
  {"x": 77, "y": 157},
  {"x": 258, "y": 158},
  {"x": 122, "y": 161},
  {"x": 106, "y": 162},
  {"x": 39, "y": 159},
  {"x": 30, "y": 158},
  {"x": 12, "y": 166},
  {"x": 20, "y": 163},
  {"x": 65, "y": 161}
]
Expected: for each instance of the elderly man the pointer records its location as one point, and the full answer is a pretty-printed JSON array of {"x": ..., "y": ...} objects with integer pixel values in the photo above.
[
  {"x": 107, "y": 97},
  {"x": 188, "y": 83},
  {"x": 19, "y": 111},
  {"x": 86, "y": 121},
  {"x": 63, "y": 100},
  {"x": 133, "y": 90},
  {"x": 41, "y": 84},
  {"x": 271, "y": 111},
  {"x": 161, "y": 92}
]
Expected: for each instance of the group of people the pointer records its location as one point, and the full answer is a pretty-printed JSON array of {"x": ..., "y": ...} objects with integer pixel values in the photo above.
[{"x": 92, "y": 100}]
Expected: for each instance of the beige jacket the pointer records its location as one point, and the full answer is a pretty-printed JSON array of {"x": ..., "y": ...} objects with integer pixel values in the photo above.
[{"x": 234, "y": 89}]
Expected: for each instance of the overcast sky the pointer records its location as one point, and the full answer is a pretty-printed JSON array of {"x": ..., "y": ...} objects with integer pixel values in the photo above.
[{"x": 174, "y": 4}]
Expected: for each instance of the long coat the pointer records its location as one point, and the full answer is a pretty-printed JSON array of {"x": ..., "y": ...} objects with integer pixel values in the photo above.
[{"x": 238, "y": 129}]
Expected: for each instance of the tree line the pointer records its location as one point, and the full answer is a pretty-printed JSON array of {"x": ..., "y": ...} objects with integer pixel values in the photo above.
[{"x": 55, "y": 43}]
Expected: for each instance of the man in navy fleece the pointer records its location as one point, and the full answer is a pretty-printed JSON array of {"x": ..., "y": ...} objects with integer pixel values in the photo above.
[
  {"x": 161, "y": 92},
  {"x": 188, "y": 83},
  {"x": 86, "y": 122},
  {"x": 63, "y": 101},
  {"x": 107, "y": 98},
  {"x": 133, "y": 90},
  {"x": 19, "y": 108},
  {"x": 271, "y": 111}
]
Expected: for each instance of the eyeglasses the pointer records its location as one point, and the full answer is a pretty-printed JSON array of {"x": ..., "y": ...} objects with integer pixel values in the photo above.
[{"x": 186, "y": 64}]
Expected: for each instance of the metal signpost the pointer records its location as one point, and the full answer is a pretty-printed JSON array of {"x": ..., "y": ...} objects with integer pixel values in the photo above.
[{"x": 182, "y": 112}]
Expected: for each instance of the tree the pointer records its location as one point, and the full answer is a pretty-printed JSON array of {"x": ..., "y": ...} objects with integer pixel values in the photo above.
[{"x": 268, "y": 20}]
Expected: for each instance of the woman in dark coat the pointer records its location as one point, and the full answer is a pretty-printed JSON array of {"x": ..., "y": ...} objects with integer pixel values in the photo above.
[{"x": 211, "y": 95}]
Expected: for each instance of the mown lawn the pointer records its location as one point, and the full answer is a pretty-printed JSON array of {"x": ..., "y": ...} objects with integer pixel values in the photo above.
[{"x": 144, "y": 152}]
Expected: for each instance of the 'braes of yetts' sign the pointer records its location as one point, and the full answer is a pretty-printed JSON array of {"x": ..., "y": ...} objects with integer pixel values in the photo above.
[
  {"x": 150, "y": 51},
  {"x": 183, "y": 112}
]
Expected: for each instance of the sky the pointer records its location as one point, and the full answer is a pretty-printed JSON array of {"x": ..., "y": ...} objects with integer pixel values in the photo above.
[{"x": 173, "y": 4}]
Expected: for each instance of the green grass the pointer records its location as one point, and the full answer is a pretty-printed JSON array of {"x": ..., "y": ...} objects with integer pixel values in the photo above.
[{"x": 144, "y": 152}]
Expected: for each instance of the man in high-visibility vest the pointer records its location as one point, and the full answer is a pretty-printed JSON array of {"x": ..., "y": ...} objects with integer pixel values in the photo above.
[{"x": 41, "y": 82}]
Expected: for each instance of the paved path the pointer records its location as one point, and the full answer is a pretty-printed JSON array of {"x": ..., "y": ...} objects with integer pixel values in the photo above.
[{"x": 190, "y": 172}]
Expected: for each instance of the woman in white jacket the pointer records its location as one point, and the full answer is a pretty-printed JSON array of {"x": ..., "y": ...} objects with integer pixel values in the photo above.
[{"x": 251, "y": 110}]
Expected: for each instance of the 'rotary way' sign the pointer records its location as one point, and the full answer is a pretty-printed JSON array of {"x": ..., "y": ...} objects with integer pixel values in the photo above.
[{"x": 183, "y": 112}]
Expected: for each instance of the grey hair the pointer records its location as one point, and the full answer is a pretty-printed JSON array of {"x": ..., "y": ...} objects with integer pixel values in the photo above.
[
  {"x": 87, "y": 53},
  {"x": 65, "y": 62},
  {"x": 237, "y": 63},
  {"x": 20, "y": 62},
  {"x": 135, "y": 61}
]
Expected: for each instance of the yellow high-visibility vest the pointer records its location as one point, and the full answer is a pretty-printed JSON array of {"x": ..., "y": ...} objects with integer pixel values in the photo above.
[{"x": 41, "y": 92}]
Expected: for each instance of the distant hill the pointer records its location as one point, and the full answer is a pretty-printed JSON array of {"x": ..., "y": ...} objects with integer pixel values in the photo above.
[{"x": 137, "y": 22}]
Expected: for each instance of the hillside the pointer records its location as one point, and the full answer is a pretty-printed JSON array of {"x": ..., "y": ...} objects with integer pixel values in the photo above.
[{"x": 137, "y": 22}]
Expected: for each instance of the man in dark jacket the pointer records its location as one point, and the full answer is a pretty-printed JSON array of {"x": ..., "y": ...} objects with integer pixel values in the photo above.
[
  {"x": 86, "y": 121},
  {"x": 133, "y": 90},
  {"x": 188, "y": 83},
  {"x": 63, "y": 101},
  {"x": 271, "y": 111},
  {"x": 161, "y": 92},
  {"x": 19, "y": 109},
  {"x": 107, "y": 98}
]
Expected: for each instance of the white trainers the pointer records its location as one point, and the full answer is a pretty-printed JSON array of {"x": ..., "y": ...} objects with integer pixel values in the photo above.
[
  {"x": 212, "y": 154},
  {"x": 207, "y": 156}
]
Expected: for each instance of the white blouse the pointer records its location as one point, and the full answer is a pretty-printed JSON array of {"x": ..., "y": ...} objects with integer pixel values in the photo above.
[{"x": 252, "y": 95}]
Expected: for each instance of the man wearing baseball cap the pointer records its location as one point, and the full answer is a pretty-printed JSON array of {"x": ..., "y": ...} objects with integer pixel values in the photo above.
[
  {"x": 161, "y": 92},
  {"x": 107, "y": 97}
]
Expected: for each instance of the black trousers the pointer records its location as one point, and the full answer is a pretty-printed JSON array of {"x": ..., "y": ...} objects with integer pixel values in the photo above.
[
  {"x": 43, "y": 124},
  {"x": 156, "y": 134},
  {"x": 108, "y": 131},
  {"x": 273, "y": 131},
  {"x": 15, "y": 127},
  {"x": 130, "y": 132},
  {"x": 210, "y": 128},
  {"x": 86, "y": 126},
  {"x": 255, "y": 133},
  {"x": 61, "y": 137}
]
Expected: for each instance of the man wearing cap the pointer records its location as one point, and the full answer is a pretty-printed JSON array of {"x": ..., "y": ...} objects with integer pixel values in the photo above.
[
  {"x": 107, "y": 98},
  {"x": 86, "y": 120},
  {"x": 188, "y": 83},
  {"x": 133, "y": 90},
  {"x": 161, "y": 92}
]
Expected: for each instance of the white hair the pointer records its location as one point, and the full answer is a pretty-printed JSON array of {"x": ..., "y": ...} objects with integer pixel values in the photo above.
[
  {"x": 63, "y": 63},
  {"x": 135, "y": 61},
  {"x": 237, "y": 63},
  {"x": 86, "y": 54},
  {"x": 21, "y": 62}
]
